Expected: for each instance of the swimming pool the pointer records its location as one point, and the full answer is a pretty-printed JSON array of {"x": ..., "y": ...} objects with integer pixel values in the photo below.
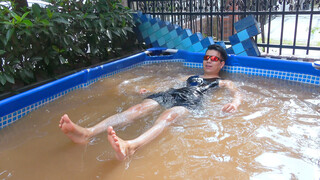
[
  {"x": 274, "y": 135},
  {"x": 16, "y": 107}
]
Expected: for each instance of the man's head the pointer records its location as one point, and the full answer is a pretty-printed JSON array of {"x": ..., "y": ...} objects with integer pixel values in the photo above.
[
  {"x": 214, "y": 60},
  {"x": 223, "y": 53}
]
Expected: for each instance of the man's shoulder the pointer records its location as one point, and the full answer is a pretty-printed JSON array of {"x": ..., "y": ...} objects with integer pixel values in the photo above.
[{"x": 225, "y": 82}]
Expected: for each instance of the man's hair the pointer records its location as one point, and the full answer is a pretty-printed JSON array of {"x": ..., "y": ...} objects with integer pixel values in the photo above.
[{"x": 220, "y": 49}]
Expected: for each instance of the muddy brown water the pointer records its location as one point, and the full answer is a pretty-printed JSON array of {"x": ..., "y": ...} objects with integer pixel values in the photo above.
[{"x": 275, "y": 134}]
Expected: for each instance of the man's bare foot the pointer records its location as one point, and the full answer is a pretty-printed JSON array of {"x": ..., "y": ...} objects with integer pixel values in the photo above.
[
  {"x": 122, "y": 148},
  {"x": 76, "y": 133}
]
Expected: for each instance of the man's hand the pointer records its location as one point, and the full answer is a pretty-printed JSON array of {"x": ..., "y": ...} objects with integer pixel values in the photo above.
[
  {"x": 237, "y": 96},
  {"x": 230, "y": 108},
  {"x": 143, "y": 91}
]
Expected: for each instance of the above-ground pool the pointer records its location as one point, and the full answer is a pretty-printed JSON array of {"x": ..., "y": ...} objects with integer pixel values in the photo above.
[{"x": 274, "y": 134}]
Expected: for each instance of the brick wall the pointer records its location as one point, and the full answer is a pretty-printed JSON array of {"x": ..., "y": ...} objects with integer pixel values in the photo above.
[{"x": 227, "y": 26}]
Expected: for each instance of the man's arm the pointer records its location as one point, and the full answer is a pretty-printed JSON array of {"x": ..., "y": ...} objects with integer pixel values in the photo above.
[{"x": 237, "y": 96}]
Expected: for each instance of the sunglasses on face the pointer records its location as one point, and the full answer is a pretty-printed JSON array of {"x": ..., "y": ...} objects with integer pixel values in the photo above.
[{"x": 212, "y": 58}]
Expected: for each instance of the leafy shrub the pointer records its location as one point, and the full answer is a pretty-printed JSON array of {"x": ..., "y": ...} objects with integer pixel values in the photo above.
[{"x": 60, "y": 36}]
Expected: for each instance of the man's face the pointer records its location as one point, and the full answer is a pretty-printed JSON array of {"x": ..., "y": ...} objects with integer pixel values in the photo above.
[{"x": 210, "y": 66}]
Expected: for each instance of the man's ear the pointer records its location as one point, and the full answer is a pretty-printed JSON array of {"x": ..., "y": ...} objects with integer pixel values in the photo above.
[{"x": 222, "y": 64}]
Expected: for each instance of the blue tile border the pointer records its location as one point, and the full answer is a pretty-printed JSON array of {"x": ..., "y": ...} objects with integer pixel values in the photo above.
[
  {"x": 193, "y": 65},
  {"x": 162, "y": 61}
]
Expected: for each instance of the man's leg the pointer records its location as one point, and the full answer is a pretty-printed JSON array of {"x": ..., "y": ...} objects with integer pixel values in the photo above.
[
  {"x": 81, "y": 135},
  {"x": 124, "y": 149}
]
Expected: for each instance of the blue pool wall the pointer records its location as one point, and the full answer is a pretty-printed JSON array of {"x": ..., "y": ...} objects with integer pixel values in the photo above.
[{"x": 15, "y": 107}]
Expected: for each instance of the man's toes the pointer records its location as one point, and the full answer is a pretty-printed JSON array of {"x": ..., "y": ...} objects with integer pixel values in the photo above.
[
  {"x": 115, "y": 139},
  {"x": 117, "y": 144}
]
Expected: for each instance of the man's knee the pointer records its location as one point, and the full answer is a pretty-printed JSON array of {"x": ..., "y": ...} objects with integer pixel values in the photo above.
[
  {"x": 135, "y": 108},
  {"x": 174, "y": 113},
  {"x": 145, "y": 105}
]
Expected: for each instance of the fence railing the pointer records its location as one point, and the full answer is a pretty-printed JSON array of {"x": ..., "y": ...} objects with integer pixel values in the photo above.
[{"x": 289, "y": 27}]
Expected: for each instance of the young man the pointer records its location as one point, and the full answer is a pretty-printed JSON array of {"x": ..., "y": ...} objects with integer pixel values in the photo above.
[{"x": 177, "y": 102}]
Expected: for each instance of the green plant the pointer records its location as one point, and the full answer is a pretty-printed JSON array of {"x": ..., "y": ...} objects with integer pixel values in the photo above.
[
  {"x": 64, "y": 35},
  {"x": 315, "y": 29}
]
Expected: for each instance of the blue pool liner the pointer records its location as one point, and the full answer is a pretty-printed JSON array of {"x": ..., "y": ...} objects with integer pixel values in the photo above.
[{"x": 15, "y": 107}]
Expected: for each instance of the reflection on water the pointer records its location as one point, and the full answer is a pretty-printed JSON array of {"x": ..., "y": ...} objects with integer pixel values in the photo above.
[
  {"x": 282, "y": 166},
  {"x": 274, "y": 135}
]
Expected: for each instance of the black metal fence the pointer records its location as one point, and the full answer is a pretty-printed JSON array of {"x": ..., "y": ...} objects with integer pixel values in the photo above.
[{"x": 289, "y": 27}]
